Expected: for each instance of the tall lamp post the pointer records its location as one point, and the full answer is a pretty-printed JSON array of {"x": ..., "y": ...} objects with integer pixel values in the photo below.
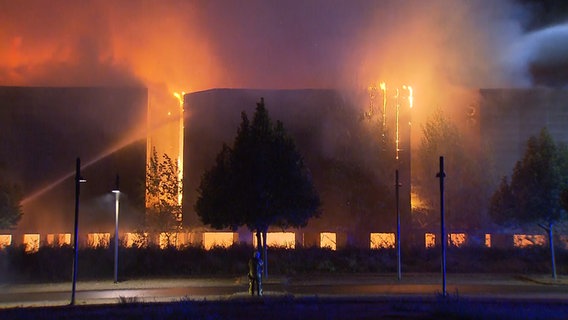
[
  {"x": 78, "y": 181},
  {"x": 116, "y": 192},
  {"x": 398, "y": 258},
  {"x": 441, "y": 175}
]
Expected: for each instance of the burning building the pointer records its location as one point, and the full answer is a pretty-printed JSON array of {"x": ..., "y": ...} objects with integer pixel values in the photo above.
[{"x": 44, "y": 129}]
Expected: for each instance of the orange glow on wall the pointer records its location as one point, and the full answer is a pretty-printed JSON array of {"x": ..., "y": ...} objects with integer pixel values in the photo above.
[
  {"x": 31, "y": 242},
  {"x": 281, "y": 240},
  {"x": 457, "y": 239},
  {"x": 98, "y": 240},
  {"x": 5, "y": 240},
  {"x": 382, "y": 240},
  {"x": 58, "y": 239},
  {"x": 328, "y": 240},
  {"x": 217, "y": 239},
  {"x": 429, "y": 240},
  {"x": 528, "y": 240}
]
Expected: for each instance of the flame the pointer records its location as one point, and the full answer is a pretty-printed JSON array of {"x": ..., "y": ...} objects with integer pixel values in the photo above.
[
  {"x": 410, "y": 96},
  {"x": 383, "y": 87},
  {"x": 398, "y": 99},
  {"x": 180, "y": 96},
  {"x": 397, "y": 141}
]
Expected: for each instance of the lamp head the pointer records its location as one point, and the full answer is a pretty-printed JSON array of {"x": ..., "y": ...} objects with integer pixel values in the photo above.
[{"x": 116, "y": 186}]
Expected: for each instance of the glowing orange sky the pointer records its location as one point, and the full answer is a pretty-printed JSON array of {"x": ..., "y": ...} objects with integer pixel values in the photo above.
[{"x": 438, "y": 46}]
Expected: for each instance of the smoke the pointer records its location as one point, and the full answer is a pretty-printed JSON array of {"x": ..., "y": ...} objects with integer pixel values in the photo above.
[
  {"x": 263, "y": 44},
  {"x": 541, "y": 57},
  {"x": 63, "y": 43}
]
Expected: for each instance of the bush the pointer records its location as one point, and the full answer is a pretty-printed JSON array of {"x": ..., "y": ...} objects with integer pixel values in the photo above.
[{"x": 53, "y": 264}]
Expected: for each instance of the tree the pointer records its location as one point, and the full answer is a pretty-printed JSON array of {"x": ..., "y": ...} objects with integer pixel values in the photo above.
[
  {"x": 10, "y": 204},
  {"x": 163, "y": 190},
  {"x": 533, "y": 195},
  {"x": 468, "y": 170},
  {"x": 260, "y": 181},
  {"x": 535, "y": 192}
]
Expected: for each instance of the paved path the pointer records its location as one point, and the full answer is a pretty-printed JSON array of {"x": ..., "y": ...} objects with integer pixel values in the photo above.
[{"x": 474, "y": 286}]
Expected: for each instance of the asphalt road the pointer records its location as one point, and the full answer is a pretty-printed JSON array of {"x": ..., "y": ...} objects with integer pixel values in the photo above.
[{"x": 510, "y": 287}]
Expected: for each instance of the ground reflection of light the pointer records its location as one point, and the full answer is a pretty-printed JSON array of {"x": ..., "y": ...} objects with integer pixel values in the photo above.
[
  {"x": 382, "y": 240},
  {"x": 328, "y": 240}
]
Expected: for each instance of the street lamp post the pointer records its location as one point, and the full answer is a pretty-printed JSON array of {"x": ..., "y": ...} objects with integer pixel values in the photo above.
[
  {"x": 398, "y": 258},
  {"x": 78, "y": 181},
  {"x": 116, "y": 192},
  {"x": 441, "y": 175}
]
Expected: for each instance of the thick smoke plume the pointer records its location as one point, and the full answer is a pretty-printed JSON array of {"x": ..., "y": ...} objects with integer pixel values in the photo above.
[{"x": 195, "y": 45}]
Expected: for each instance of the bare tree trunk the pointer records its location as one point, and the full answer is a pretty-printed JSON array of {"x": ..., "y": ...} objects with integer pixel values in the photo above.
[{"x": 264, "y": 253}]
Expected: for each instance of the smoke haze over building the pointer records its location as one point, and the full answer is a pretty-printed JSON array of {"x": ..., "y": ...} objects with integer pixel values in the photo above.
[{"x": 196, "y": 45}]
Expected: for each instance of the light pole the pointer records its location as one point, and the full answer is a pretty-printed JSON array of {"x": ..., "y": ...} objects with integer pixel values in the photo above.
[
  {"x": 116, "y": 192},
  {"x": 441, "y": 175},
  {"x": 398, "y": 258},
  {"x": 78, "y": 181}
]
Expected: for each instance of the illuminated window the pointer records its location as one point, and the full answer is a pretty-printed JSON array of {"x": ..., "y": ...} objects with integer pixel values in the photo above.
[
  {"x": 98, "y": 240},
  {"x": 135, "y": 239},
  {"x": 382, "y": 240},
  {"x": 31, "y": 242},
  {"x": 528, "y": 240},
  {"x": 429, "y": 240},
  {"x": 50, "y": 239},
  {"x": 64, "y": 239},
  {"x": 217, "y": 239},
  {"x": 182, "y": 239},
  {"x": 488, "y": 240},
  {"x": 328, "y": 240},
  {"x": 58, "y": 240},
  {"x": 457, "y": 239},
  {"x": 177, "y": 239},
  {"x": 5, "y": 240},
  {"x": 281, "y": 239}
]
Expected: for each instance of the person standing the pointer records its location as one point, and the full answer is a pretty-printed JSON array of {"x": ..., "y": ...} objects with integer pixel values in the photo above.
[{"x": 255, "y": 274}]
